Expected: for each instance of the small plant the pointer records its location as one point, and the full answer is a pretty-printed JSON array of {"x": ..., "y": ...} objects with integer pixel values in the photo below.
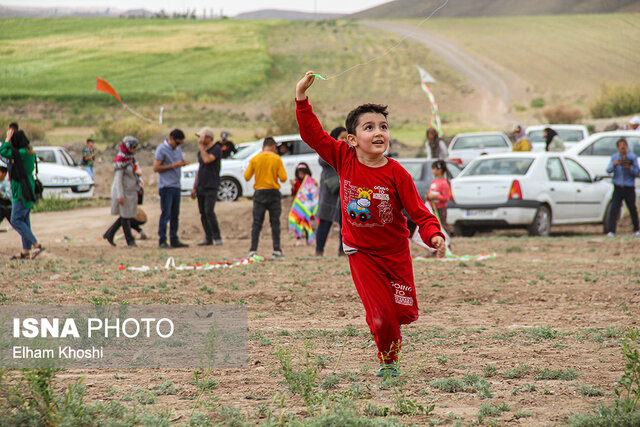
[
  {"x": 442, "y": 359},
  {"x": 492, "y": 411},
  {"x": 301, "y": 381},
  {"x": 490, "y": 371},
  {"x": 517, "y": 372},
  {"x": 548, "y": 374},
  {"x": 627, "y": 399},
  {"x": 537, "y": 102},
  {"x": 587, "y": 390},
  {"x": 406, "y": 406}
]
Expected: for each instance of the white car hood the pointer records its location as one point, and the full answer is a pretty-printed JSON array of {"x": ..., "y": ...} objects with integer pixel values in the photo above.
[{"x": 49, "y": 170}]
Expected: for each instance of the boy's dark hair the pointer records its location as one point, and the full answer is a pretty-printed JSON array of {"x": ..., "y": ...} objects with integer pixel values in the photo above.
[
  {"x": 336, "y": 132},
  {"x": 268, "y": 142},
  {"x": 176, "y": 134},
  {"x": 3, "y": 169},
  {"x": 354, "y": 115},
  {"x": 14, "y": 126},
  {"x": 89, "y": 140},
  {"x": 622, "y": 140}
]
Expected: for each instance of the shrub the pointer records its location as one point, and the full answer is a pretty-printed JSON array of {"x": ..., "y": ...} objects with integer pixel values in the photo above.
[
  {"x": 562, "y": 114},
  {"x": 36, "y": 132},
  {"x": 537, "y": 103},
  {"x": 616, "y": 100},
  {"x": 283, "y": 115},
  {"x": 114, "y": 131}
]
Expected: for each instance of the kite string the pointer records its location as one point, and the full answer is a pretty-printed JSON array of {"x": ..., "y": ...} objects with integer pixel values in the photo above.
[
  {"x": 138, "y": 114},
  {"x": 385, "y": 53}
]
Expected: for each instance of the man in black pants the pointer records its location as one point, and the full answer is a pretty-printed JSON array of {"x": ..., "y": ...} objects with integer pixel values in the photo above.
[
  {"x": 205, "y": 187},
  {"x": 268, "y": 169}
]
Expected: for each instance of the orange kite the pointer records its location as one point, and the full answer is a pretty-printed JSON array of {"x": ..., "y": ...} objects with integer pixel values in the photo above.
[{"x": 105, "y": 87}]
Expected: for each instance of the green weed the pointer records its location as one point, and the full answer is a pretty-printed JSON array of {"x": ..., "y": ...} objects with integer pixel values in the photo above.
[{"x": 549, "y": 374}]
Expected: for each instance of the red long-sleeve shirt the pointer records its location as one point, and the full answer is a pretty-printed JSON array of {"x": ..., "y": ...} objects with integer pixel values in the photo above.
[{"x": 372, "y": 198}]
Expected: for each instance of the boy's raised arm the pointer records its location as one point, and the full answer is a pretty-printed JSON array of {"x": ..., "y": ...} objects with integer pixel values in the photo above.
[{"x": 311, "y": 130}]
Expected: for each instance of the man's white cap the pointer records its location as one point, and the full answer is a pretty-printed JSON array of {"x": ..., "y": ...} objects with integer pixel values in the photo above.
[
  {"x": 635, "y": 120},
  {"x": 206, "y": 131}
]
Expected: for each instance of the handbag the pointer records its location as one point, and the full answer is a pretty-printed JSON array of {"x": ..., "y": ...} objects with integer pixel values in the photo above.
[{"x": 38, "y": 188}]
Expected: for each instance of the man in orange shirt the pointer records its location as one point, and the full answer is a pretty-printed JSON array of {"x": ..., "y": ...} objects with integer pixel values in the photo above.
[{"x": 268, "y": 168}]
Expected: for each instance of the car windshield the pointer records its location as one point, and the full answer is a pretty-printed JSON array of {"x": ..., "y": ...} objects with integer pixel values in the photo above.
[
  {"x": 502, "y": 166},
  {"x": 567, "y": 135},
  {"x": 47, "y": 156},
  {"x": 247, "y": 151},
  {"x": 479, "y": 141},
  {"x": 607, "y": 146}
]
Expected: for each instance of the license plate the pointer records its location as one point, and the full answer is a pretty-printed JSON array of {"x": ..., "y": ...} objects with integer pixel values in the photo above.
[
  {"x": 84, "y": 187},
  {"x": 480, "y": 212}
]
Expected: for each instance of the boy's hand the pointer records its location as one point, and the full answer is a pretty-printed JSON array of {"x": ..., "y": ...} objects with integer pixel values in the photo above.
[
  {"x": 303, "y": 85},
  {"x": 438, "y": 243}
]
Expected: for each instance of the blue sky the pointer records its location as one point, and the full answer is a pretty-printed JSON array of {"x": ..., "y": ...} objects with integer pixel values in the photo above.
[{"x": 230, "y": 7}]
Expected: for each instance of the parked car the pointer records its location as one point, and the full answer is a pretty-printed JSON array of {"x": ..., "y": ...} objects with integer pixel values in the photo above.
[
  {"x": 595, "y": 152},
  {"x": 65, "y": 182},
  {"x": 527, "y": 190},
  {"x": 465, "y": 147},
  {"x": 59, "y": 175},
  {"x": 570, "y": 134},
  {"x": 57, "y": 155},
  {"x": 232, "y": 182},
  {"x": 420, "y": 171}
]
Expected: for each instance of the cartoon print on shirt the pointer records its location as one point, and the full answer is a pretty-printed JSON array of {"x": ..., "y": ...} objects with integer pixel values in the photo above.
[
  {"x": 362, "y": 205},
  {"x": 360, "y": 208}
]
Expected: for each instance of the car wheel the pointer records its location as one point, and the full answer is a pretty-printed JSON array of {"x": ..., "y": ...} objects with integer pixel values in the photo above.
[
  {"x": 352, "y": 214},
  {"x": 229, "y": 190},
  {"x": 362, "y": 217},
  {"x": 541, "y": 224},
  {"x": 462, "y": 230}
]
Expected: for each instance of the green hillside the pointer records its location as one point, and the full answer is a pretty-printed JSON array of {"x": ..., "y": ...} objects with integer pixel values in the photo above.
[
  {"x": 423, "y": 8},
  {"x": 59, "y": 58}
]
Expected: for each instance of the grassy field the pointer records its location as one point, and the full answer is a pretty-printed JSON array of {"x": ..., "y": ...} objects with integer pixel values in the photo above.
[
  {"x": 557, "y": 55},
  {"x": 529, "y": 338}
]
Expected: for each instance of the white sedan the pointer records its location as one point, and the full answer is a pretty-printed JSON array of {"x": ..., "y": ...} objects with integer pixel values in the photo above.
[
  {"x": 232, "y": 182},
  {"x": 526, "y": 190},
  {"x": 595, "y": 152},
  {"x": 65, "y": 182},
  {"x": 59, "y": 175},
  {"x": 570, "y": 134},
  {"x": 465, "y": 147}
]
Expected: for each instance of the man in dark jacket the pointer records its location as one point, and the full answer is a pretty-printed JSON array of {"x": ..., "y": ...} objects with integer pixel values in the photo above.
[{"x": 205, "y": 187}]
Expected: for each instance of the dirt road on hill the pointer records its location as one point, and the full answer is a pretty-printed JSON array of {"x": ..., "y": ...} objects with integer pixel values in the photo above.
[{"x": 495, "y": 87}]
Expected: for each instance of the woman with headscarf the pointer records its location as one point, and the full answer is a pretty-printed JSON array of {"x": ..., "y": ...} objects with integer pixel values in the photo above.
[
  {"x": 553, "y": 140},
  {"x": 22, "y": 161},
  {"x": 435, "y": 148},
  {"x": 329, "y": 200},
  {"x": 124, "y": 191}
]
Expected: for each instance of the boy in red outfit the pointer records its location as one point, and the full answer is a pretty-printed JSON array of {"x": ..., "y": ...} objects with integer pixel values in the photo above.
[{"x": 374, "y": 190}]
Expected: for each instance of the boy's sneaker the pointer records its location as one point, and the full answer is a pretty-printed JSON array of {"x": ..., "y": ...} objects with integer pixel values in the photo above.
[
  {"x": 217, "y": 242},
  {"x": 611, "y": 234},
  {"x": 636, "y": 234},
  {"x": 277, "y": 254},
  {"x": 252, "y": 254},
  {"x": 388, "y": 369},
  {"x": 143, "y": 236}
]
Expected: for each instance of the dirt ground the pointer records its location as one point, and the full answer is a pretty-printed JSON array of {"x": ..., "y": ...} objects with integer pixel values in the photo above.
[{"x": 559, "y": 303}]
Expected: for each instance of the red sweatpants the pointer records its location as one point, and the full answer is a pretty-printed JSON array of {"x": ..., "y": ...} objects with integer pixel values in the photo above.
[{"x": 386, "y": 288}]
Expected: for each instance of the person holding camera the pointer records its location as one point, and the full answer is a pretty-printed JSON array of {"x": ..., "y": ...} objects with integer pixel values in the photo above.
[{"x": 624, "y": 166}]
